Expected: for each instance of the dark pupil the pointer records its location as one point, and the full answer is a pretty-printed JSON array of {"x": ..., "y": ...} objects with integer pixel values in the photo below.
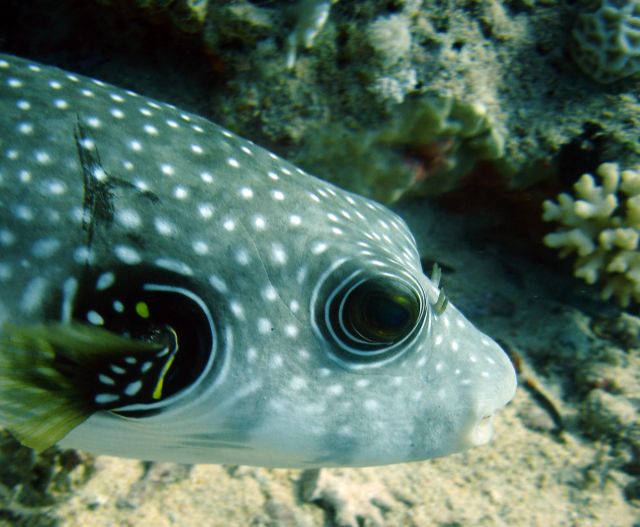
[
  {"x": 389, "y": 315},
  {"x": 381, "y": 312}
]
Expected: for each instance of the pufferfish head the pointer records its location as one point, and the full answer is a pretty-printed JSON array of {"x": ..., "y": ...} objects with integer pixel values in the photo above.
[{"x": 347, "y": 356}]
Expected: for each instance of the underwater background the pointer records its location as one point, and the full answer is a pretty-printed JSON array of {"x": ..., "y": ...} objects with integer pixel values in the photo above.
[{"x": 472, "y": 120}]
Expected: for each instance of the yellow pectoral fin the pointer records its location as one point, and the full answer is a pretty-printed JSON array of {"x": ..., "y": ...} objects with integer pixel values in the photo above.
[{"x": 47, "y": 376}]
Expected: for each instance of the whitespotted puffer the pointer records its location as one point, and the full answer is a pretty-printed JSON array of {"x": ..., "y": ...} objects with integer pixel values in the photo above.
[{"x": 173, "y": 292}]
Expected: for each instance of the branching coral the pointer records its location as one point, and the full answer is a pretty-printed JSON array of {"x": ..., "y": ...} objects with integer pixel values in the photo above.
[{"x": 602, "y": 226}]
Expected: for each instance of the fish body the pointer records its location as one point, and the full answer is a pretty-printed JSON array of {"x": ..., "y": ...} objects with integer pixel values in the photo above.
[{"x": 171, "y": 291}]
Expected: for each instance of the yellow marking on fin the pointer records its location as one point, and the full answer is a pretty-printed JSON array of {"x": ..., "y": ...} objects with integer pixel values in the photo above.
[{"x": 142, "y": 309}]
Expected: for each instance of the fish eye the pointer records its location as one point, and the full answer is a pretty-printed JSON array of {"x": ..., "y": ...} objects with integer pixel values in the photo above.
[
  {"x": 368, "y": 319},
  {"x": 378, "y": 312}
]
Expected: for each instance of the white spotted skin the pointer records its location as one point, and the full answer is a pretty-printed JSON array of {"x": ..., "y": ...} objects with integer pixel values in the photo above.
[{"x": 255, "y": 235}]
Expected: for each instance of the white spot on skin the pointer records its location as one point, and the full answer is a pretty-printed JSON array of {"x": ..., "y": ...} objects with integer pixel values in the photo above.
[
  {"x": 269, "y": 293},
  {"x": 229, "y": 225},
  {"x": 237, "y": 309},
  {"x": 335, "y": 389},
  {"x": 135, "y": 146},
  {"x": 56, "y": 187},
  {"x": 33, "y": 295},
  {"x": 232, "y": 162},
  {"x": 25, "y": 128},
  {"x": 295, "y": 220},
  {"x": 197, "y": 149},
  {"x": 264, "y": 326},
  {"x": 276, "y": 361},
  {"x": 259, "y": 223},
  {"x": 14, "y": 83},
  {"x": 22, "y": 212},
  {"x": 167, "y": 169},
  {"x": 45, "y": 248},
  {"x": 294, "y": 306},
  {"x": 319, "y": 248},
  {"x": 7, "y": 238},
  {"x": 242, "y": 257},
  {"x": 106, "y": 398},
  {"x": 23, "y": 105},
  {"x": 277, "y": 195},
  {"x": 206, "y": 177},
  {"x": 117, "y": 113},
  {"x": 99, "y": 173},
  {"x": 87, "y": 144},
  {"x": 133, "y": 388},
  {"x": 127, "y": 254},
  {"x": 180, "y": 193},
  {"x": 150, "y": 129},
  {"x": 297, "y": 383},
  {"x": 205, "y": 210},
  {"x": 94, "y": 122},
  {"x": 105, "y": 280},
  {"x": 5, "y": 272},
  {"x": 218, "y": 284},
  {"x": 454, "y": 345},
  {"x": 83, "y": 255},
  {"x": 105, "y": 379},
  {"x": 371, "y": 405},
  {"x": 174, "y": 265},
  {"x": 95, "y": 318},
  {"x": 128, "y": 218},
  {"x": 246, "y": 193},
  {"x": 278, "y": 254},
  {"x": 301, "y": 275},
  {"x": 439, "y": 340},
  {"x": 164, "y": 227},
  {"x": 200, "y": 247},
  {"x": 291, "y": 331},
  {"x": 252, "y": 354}
]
